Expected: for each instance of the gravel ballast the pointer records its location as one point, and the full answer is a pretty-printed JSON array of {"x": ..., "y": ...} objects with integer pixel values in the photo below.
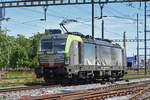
[{"x": 66, "y": 89}]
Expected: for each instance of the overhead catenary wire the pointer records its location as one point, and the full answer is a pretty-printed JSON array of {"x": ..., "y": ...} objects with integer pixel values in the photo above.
[
  {"x": 40, "y": 12},
  {"x": 118, "y": 34},
  {"x": 16, "y": 22},
  {"x": 118, "y": 12},
  {"x": 33, "y": 26},
  {"x": 57, "y": 16},
  {"x": 64, "y": 17},
  {"x": 37, "y": 19}
]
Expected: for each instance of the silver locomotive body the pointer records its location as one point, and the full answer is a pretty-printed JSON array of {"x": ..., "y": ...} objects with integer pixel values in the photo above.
[{"x": 74, "y": 57}]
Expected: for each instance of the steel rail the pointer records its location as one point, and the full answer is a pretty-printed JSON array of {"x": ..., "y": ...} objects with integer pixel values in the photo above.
[
  {"x": 119, "y": 91},
  {"x": 140, "y": 93},
  {"x": 146, "y": 98},
  {"x": 90, "y": 95},
  {"x": 41, "y": 85},
  {"x": 15, "y": 89},
  {"x": 101, "y": 92},
  {"x": 111, "y": 94}
]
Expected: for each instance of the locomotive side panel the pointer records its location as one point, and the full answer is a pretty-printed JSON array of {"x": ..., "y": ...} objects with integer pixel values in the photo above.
[
  {"x": 89, "y": 54},
  {"x": 104, "y": 56},
  {"x": 117, "y": 57}
]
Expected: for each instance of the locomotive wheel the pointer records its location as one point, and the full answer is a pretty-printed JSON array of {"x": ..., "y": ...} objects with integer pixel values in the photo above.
[
  {"x": 117, "y": 78},
  {"x": 103, "y": 81},
  {"x": 111, "y": 79}
]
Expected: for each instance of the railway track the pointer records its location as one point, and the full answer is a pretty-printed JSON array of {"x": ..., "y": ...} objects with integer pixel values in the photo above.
[
  {"x": 137, "y": 88},
  {"x": 41, "y": 85},
  {"x": 145, "y": 91},
  {"x": 147, "y": 97},
  {"x": 115, "y": 88},
  {"x": 15, "y": 89}
]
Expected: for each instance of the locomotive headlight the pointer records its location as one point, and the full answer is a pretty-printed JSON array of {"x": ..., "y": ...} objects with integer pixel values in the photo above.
[{"x": 67, "y": 60}]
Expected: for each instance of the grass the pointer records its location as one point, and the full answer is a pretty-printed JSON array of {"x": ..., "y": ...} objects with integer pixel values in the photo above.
[
  {"x": 3, "y": 84},
  {"x": 22, "y": 78},
  {"x": 18, "y": 74},
  {"x": 140, "y": 71},
  {"x": 18, "y": 79},
  {"x": 135, "y": 76}
]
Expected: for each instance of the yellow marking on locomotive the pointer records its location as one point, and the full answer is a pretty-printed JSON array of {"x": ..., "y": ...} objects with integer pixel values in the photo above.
[{"x": 46, "y": 57}]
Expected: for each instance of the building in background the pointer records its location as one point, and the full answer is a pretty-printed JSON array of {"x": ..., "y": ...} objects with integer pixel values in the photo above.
[{"x": 132, "y": 63}]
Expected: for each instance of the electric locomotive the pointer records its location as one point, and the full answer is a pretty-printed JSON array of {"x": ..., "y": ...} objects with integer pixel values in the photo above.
[{"x": 73, "y": 56}]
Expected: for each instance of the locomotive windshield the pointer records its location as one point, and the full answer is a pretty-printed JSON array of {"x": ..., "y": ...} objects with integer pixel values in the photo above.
[
  {"x": 59, "y": 45},
  {"x": 53, "y": 45},
  {"x": 46, "y": 45}
]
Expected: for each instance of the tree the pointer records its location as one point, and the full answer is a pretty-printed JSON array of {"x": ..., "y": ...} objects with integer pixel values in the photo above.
[
  {"x": 19, "y": 51},
  {"x": 19, "y": 57},
  {"x": 4, "y": 49}
]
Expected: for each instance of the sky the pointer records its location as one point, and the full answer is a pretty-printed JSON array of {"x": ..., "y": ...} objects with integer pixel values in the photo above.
[{"x": 121, "y": 18}]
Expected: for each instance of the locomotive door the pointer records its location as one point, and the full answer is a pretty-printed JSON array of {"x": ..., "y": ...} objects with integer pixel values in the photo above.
[{"x": 75, "y": 53}]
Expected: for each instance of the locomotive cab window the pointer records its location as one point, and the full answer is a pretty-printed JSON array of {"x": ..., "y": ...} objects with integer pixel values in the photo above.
[
  {"x": 46, "y": 45},
  {"x": 53, "y": 45},
  {"x": 59, "y": 44}
]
